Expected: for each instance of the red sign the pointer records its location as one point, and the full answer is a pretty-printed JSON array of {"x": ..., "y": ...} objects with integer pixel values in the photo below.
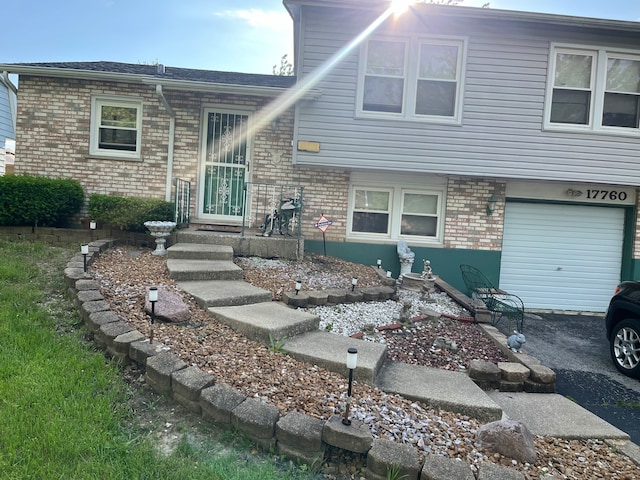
[{"x": 323, "y": 223}]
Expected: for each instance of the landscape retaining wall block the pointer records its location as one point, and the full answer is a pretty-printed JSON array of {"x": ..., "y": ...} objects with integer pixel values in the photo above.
[
  {"x": 159, "y": 370},
  {"x": 257, "y": 420},
  {"x": 218, "y": 402}
]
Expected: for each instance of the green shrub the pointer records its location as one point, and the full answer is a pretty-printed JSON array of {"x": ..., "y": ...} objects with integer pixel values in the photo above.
[
  {"x": 31, "y": 200},
  {"x": 128, "y": 213}
]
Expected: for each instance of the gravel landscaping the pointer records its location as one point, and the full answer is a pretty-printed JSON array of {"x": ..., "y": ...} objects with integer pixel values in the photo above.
[{"x": 291, "y": 385}]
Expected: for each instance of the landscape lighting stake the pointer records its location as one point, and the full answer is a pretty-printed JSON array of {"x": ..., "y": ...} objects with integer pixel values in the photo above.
[
  {"x": 352, "y": 363},
  {"x": 298, "y": 286},
  {"x": 388, "y": 273},
  {"x": 153, "y": 298},
  {"x": 92, "y": 227},
  {"x": 84, "y": 249},
  {"x": 354, "y": 282},
  {"x": 379, "y": 263}
]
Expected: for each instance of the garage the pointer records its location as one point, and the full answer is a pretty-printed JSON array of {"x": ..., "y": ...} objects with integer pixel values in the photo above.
[{"x": 562, "y": 257}]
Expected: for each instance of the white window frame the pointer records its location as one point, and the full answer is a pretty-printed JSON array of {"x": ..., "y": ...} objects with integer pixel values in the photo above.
[
  {"x": 599, "y": 71},
  {"x": 397, "y": 185},
  {"x": 389, "y": 211},
  {"x": 97, "y": 102},
  {"x": 410, "y": 88}
]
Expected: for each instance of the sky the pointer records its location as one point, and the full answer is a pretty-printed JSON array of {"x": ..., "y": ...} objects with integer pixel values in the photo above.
[{"x": 231, "y": 35}]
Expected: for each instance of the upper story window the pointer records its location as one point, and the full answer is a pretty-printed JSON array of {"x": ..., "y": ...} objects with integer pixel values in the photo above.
[
  {"x": 116, "y": 127},
  {"x": 594, "y": 90},
  {"x": 412, "y": 79}
]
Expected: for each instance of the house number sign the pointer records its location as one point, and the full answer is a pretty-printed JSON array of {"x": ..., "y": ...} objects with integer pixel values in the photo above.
[{"x": 597, "y": 194}]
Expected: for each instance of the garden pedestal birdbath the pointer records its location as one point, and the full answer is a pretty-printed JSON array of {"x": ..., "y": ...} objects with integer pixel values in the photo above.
[{"x": 160, "y": 230}]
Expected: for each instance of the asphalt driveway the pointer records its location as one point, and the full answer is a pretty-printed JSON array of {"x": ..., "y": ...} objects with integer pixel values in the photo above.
[{"x": 576, "y": 348}]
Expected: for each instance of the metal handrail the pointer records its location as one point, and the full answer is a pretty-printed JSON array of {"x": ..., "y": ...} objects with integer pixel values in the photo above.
[
  {"x": 182, "y": 202},
  {"x": 273, "y": 209}
]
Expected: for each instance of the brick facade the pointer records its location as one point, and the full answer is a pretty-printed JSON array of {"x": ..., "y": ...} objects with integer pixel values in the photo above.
[
  {"x": 467, "y": 224},
  {"x": 53, "y": 137}
]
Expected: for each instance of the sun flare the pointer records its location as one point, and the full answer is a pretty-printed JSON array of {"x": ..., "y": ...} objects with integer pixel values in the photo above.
[{"x": 400, "y": 6}]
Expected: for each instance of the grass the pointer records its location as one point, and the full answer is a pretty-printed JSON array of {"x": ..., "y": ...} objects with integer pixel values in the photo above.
[{"x": 64, "y": 406}]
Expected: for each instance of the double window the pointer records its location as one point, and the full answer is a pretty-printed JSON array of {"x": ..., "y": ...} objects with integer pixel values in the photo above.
[
  {"x": 594, "y": 90},
  {"x": 412, "y": 78},
  {"x": 116, "y": 127},
  {"x": 399, "y": 211}
]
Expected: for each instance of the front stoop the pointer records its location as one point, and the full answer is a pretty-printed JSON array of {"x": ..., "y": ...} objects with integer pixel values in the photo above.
[{"x": 266, "y": 322}]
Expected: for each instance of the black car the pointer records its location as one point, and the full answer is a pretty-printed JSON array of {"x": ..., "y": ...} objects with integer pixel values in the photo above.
[{"x": 623, "y": 328}]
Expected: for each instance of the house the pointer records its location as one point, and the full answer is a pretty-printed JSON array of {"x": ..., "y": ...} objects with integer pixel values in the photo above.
[
  {"x": 7, "y": 124},
  {"x": 506, "y": 140}
]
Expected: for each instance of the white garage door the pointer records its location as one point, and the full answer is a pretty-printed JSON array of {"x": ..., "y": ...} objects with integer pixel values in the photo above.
[{"x": 562, "y": 257}]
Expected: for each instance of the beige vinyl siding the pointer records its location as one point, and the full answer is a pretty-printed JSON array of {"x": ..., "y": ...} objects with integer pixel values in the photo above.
[{"x": 503, "y": 97}]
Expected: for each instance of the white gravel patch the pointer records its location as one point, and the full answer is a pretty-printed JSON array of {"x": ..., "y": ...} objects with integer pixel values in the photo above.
[{"x": 349, "y": 318}]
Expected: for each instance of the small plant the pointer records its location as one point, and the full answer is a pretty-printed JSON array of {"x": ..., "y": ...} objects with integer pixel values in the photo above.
[
  {"x": 393, "y": 473},
  {"x": 276, "y": 345},
  {"x": 329, "y": 327}
]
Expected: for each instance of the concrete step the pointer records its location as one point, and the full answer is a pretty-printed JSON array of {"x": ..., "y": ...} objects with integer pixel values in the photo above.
[
  {"x": 200, "y": 251},
  {"x": 452, "y": 391},
  {"x": 329, "y": 351},
  {"x": 183, "y": 270},
  {"x": 555, "y": 415},
  {"x": 224, "y": 293},
  {"x": 266, "y": 321}
]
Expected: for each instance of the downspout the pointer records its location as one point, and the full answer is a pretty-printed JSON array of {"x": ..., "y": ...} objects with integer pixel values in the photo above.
[{"x": 172, "y": 134}]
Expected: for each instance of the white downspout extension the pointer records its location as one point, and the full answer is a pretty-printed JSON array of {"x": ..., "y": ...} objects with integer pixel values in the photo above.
[{"x": 172, "y": 134}]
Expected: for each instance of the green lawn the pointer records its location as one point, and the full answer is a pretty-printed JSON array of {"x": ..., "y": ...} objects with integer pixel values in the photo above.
[{"x": 63, "y": 406}]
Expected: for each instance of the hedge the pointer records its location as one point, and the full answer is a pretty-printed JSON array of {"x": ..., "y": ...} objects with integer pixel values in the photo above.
[
  {"x": 128, "y": 213},
  {"x": 38, "y": 201}
]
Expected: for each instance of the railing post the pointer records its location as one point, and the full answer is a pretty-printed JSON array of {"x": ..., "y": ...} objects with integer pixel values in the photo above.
[{"x": 244, "y": 210}]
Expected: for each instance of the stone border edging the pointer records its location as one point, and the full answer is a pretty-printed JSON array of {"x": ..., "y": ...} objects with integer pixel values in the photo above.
[{"x": 296, "y": 435}]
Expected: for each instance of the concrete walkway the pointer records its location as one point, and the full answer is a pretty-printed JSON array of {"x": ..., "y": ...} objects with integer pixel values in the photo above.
[{"x": 204, "y": 272}]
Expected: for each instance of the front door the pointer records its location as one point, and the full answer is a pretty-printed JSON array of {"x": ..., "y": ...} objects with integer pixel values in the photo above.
[{"x": 224, "y": 166}]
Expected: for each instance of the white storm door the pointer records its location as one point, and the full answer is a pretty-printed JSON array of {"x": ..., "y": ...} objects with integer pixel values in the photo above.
[{"x": 224, "y": 166}]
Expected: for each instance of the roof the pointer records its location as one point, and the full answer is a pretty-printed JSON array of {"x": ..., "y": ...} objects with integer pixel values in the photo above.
[
  {"x": 169, "y": 77},
  {"x": 470, "y": 12}
]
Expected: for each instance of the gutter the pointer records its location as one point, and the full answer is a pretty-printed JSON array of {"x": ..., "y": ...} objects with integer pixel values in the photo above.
[
  {"x": 170, "y": 147},
  {"x": 183, "y": 85},
  {"x": 474, "y": 13},
  {"x": 7, "y": 81}
]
